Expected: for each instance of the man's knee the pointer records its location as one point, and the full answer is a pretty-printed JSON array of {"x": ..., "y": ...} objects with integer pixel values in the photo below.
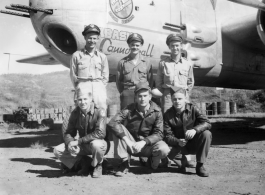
[
  {"x": 99, "y": 145},
  {"x": 206, "y": 135},
  {"x": 56, "y": 152},
  {"x": 163, "y": 148}
]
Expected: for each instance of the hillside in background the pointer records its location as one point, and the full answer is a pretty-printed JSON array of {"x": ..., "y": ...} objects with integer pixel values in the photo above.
[{"x": 55, "y": 90}]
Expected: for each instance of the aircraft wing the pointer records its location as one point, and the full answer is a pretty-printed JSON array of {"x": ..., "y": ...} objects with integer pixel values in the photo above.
[{"x": 42, "y": 59}]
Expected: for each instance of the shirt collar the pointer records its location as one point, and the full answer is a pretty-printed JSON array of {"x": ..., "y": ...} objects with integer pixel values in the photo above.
[
  {"x": 180, "y": 60},
  {"x": 141, "y": 58},
  {"x": 152, "y": 107},
  {"x": 86, "y": 52},
  {"x": 187, "y": 108},
  {"x": 91, "y": 109}
]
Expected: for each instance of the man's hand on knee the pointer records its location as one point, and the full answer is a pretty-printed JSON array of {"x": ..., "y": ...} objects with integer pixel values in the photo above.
[
  {"x": 73, "y": 147},
  {"x": 182, "y": 142},
  {"x": 138, "y": 146},
  {"x": 190, "y": 134}
]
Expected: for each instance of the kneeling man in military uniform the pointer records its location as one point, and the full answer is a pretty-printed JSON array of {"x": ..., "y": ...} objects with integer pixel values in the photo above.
[
  {"x": 138, "y": 131},
  {"x": 90, "y": 122},
  {"x": 187, "y": 131}
]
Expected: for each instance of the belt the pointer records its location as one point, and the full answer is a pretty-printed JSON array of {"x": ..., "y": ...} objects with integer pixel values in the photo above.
[{"x": 129, "y": 88}]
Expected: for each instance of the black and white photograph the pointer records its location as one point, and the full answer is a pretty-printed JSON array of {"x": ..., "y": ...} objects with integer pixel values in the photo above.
[{"x": 132, "y": 97}]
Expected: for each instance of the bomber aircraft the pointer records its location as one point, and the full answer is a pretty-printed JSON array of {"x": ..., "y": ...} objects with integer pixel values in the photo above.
[{"x": 224, "y": 40}]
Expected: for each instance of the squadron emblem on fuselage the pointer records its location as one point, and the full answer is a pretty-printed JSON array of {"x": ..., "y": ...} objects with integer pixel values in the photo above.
[{"x": 121, "y": 10}]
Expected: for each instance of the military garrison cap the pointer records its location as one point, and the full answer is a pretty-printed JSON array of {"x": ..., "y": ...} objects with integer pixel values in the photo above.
[
  {"x": 174, "y": 37},
  {"x": 82, "y": 89},
  {"x": 174, "y": 90},
  {"x": 142, "y": 85},
  {"x": 135, "y": 37},
  {"x": 91, "y": 28}
]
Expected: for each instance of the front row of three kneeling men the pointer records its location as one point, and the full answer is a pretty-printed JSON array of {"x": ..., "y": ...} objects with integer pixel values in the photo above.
[{"x": 139, "y": 130}]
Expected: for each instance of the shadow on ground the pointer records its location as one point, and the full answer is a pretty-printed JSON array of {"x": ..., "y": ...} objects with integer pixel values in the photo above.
[
  {"x": 38, "y": 161},
  {"x": 240, "y": 131},
  {"x": 49, "y": 138}
]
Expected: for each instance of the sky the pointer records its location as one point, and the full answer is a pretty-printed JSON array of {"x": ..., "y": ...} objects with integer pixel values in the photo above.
[{"x": 17, "y": 37}]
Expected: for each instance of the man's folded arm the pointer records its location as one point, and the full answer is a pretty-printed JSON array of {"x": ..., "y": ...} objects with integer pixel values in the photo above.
[
  {"x": 100, "y": 130},
  {"x": 202, "y": 123}
]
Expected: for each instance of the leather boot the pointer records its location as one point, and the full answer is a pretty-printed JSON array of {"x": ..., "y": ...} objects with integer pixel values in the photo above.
[
  {"x": 84, "y": 164},
  {"x": 122, "y": 169},
  {"x": 97, "y": 172},
  {"x": 184, "y": 161},
  {"x": 201, "y": 171}
]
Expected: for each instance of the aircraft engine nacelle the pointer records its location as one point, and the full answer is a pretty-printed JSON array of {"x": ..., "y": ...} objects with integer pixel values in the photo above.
[
  {"x": 261, "y": 25},
  {"x": 200, "y": 35},
  {"x": 247, "y": 31}
]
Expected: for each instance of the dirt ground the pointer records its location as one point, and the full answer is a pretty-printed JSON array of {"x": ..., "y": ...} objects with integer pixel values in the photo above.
[{"x": 236, "y": 165}]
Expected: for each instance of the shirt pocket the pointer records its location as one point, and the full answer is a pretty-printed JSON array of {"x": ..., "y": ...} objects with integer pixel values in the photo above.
[
  {"x": 127, "y": 68},
  {"x": 183, "y": 77},
  {"x": 142, "y": 72},
  {"x": 98, "y": 70},
  {"x": 82, "y": 70}
]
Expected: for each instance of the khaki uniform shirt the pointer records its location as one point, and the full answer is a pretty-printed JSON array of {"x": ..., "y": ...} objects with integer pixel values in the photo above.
[
  {"x": 90, "y": 67},
  {"x": 129, "y": 74},
  {"x": 179, "y": 74}
]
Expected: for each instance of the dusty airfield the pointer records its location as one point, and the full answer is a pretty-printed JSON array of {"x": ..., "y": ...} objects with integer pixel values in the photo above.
[{"x": 236, "y": 164}]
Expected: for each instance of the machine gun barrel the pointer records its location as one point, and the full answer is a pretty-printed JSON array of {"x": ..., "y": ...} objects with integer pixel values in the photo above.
[
  {"x": 15, "y": 14},
  {"x": 47, "y": 11},
  {"x": 17, "y": 9},
  {"x": 182, "y": 27}
]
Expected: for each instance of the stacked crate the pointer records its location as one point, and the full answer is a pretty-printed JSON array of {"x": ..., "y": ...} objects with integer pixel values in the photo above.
[{"x": 38, "y": 114}]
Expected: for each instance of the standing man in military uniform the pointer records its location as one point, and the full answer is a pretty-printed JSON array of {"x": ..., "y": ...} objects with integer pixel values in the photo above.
[
  {"x": 174, "y": 71},
  {"x": 132, "y": 69},
  {"x": 89, "y": 67}
]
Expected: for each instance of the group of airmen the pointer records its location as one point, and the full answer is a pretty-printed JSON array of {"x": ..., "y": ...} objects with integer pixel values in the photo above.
[{"x": 158, "y": 133}]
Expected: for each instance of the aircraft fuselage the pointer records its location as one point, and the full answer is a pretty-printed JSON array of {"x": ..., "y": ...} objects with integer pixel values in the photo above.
[{"x": 220, "y": 58}]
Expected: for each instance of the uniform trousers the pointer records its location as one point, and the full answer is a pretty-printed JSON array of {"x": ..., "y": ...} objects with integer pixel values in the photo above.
[
  {"x": 98, "y": 91},
  {"x": 126, "y": 97},
  {"x": 199, "y": 145},
  {"x": 96, "y": 148},
  {"x": 156, "y": 151}
]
